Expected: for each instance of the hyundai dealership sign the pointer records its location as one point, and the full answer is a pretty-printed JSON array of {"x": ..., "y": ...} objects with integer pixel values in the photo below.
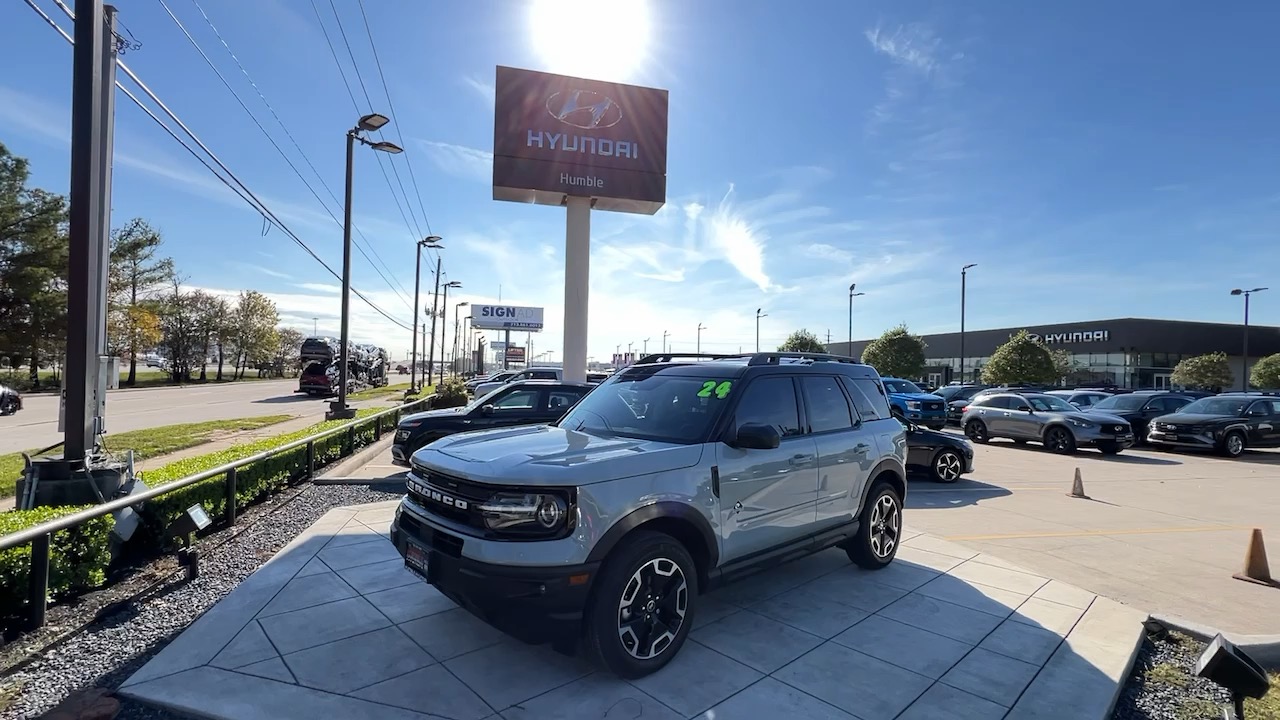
[
  {"x": 506, "y": 317},
  {"x": 555, "y": 136}
]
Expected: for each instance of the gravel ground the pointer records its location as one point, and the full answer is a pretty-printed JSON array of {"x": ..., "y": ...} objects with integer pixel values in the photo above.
[
  {"x": 114, "y": 647},
  {"x": 1164, "y": 686}
]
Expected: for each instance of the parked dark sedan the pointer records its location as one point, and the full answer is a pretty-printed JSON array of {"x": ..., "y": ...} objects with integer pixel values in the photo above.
[
  {"x": 1227, "y": 423},
  {"x": 10, "y": 400},
  {"x": 941, "y": 456},
  {"x": 1141, "y": 407},
  {"x": 529, "y": 402}
]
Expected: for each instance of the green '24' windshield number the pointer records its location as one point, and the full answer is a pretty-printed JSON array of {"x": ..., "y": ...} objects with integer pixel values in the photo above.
[{"x": 720, "y": 388}]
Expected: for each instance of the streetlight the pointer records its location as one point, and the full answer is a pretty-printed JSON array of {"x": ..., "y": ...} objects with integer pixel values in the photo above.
[
  {"x": 338, "y": 410},
  {"x": 629, "y": 345},
  {"x": 444, "y": 313},
  {"x": 665, "y": 334},
  {"x": 431, "y": 241},
  {"x": 456, "y": 309},
  {"x": 700, "y": 329},
  {"x": 315, "y": 326},
  {"x": 852, "y": 295},
  {"x": 963, "y": 277},
  {"x": 758, "y": 316},
  {"x": 1244, "y": 379},
  {"x": 645, "y": 349}
]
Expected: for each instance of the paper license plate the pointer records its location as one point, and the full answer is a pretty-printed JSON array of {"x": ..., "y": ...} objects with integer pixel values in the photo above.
[{"x": 419, "y": 560}]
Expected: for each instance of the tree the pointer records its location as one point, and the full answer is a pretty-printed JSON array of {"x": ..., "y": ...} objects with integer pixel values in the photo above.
[
  {"x": 255, "y": 329},
  {"x": 1205, "y": 372},
  {"x": 1266, "y": 373},
  {"x": 802, "y": 341},
  {"x": 1022, "y": 360},
  {"x": 288, "y": 348},
  {"x": 1062, "y": 365},
  {"x": 136, "y": 276},
  {"x": 33, "y": 265},
  {"x": 896, "y": 353},
  {"x": 179, "y": 327}
]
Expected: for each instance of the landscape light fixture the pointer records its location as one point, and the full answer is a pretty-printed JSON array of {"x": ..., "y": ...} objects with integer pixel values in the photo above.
[
  {"x": 1244, "y": 355},
  {"x": 182, "y": 529},
  {"x": 1230, "y": 667}
]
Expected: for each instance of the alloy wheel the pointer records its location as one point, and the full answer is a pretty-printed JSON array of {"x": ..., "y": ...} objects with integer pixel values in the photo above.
[
  {"x": 947, "y": 466},
  {"x": 1058, "y": 439},
  {"x": 652, "y": 608},
  {"x": 886, "y": 525},
  {"x": 1235, "y": 444}
]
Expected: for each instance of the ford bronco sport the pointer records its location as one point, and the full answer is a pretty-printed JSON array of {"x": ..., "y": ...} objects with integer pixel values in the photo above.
[{"x": 675, "y": 475}]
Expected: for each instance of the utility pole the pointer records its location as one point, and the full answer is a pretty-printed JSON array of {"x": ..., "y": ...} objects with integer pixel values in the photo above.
[
  {"x": 431, "y": 241},
  {"x": 431, "y": 346},
  {"x": 963, "y": 280},
  {"x": 457, "y": 309}
]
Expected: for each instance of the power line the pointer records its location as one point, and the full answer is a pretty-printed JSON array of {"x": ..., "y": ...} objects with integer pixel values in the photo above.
[
  {"x": 391, "y": 105},
  {"x": 401, "y": 293},
  {"x": 242, "y": 190}
]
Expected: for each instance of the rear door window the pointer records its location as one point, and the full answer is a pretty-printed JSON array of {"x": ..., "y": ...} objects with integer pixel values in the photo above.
[
  {"x": 827, "y": 407},
  {"x": 868, "y": 397}
]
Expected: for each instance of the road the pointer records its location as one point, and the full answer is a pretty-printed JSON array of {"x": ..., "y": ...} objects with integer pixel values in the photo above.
[{"x": 36, "y": 425}]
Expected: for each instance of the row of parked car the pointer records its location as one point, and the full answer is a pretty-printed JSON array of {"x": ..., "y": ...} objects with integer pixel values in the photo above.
[
  {"x": 594, "y": 516},
  {"x": 1112, "y": 419}
]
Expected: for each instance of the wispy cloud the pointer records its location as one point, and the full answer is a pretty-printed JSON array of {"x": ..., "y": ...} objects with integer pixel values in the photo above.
[
  {"x": 262, "y": 269},
  {"x": 320, "y": 287},
  {"x": 461, "y": 161},
  {"x": 913, "y": 46},
  {"x": 481, "y": 87},
  {"x": 920, "y": 60}
]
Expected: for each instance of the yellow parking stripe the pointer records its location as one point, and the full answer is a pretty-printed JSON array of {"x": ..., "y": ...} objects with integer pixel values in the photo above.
[{"x": 1095, "y": 533}]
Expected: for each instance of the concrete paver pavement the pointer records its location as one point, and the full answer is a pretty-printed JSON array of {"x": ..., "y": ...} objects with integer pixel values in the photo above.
[{"x": 335, "y": 626}]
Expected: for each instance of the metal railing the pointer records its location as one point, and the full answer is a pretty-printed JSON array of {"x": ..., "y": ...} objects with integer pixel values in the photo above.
[{"x": 39, "y": 536}]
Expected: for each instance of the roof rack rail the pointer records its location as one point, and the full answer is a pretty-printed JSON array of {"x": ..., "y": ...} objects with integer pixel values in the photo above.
[
  {"x": 776, "y": 358},
  {"x": 668, "y": 357}
]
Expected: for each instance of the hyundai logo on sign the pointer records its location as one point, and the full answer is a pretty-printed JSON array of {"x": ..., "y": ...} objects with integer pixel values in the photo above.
[{"x": 584, "y": 109}]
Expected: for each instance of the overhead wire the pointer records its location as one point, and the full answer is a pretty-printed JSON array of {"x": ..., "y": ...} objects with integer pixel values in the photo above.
[
  {"x": 400, "y": 291},
  {"x": 240, "y": 189}
]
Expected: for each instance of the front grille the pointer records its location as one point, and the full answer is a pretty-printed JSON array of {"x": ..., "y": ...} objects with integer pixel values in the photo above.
[
  {"x": 935, "y": 406},
  {"x": 449, "y": 497},
  {"x": 445, "y": 543},
  {"x": 1115, "y": 429}
]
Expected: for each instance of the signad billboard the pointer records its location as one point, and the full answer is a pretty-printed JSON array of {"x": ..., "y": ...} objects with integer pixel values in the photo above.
[
  {"x": 515, "y": 354},
  {"x": 555, "y": 135},
  {"x": 506, "y": 317}
]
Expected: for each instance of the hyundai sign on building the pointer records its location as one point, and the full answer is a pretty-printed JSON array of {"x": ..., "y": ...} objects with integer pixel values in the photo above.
[
  {"x": 556, "y": 136},
  {"x": 506, "y": 317}
]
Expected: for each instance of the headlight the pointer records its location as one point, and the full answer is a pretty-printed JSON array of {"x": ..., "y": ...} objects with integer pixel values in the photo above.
[
  {"x": 913, "y": 404},
  {"x": 1080, "y": 423},
  {"x": 408, "y": 424},
  {"x": 519, "y": 513}
]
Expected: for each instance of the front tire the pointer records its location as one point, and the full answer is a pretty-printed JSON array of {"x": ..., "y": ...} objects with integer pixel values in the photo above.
[
  {"x": 976, "y": 430},
  {"x": 879, "y": 529},
  {"x": 1233, "y": 444},
  {"x": 641, "y": 609},
  {"x": 1060, "y": 440},
  {"x": 8, "y": 405},
  {"x": 947, "y": 466}
]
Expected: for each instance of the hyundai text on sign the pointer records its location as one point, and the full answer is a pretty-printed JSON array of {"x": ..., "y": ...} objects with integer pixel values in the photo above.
[
  {"x": 506, "y": 317},
  {"x": 555, "y": 135}
]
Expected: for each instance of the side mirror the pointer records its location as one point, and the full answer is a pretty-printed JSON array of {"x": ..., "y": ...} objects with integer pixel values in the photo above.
[
  {"x": 756, "y": 436},
  {"x": 1025, "y": 408},
  {"x": 487, "y": 410}
]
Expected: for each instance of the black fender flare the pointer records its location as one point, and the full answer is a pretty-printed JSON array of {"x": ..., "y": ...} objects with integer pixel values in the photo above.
[
  {"x": 889, "y": 466},
  {"x": 662, "y": 509}
]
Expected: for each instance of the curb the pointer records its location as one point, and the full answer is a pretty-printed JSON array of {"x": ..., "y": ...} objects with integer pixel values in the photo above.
[
  {"x": 1264, "y": 649},
  {"x": 340, "y": 474}
]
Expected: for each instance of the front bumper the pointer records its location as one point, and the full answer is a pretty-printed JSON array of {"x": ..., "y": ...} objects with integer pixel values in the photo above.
[
  {"x": 532, "y": 604},
  {"x": 932, "y": 419},
  {"x": 399, "y": 456},
  {"x": 1095, "y": 437},
  {"x": 1201, "y": 441}
]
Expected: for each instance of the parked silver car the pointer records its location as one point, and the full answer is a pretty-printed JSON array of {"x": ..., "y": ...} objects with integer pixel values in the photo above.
[{"x": 1043, "y": 418}]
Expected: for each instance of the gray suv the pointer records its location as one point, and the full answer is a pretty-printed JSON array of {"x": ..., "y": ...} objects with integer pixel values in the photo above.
[
  {"x": 1048, "y": 419},
  {"x": 674, "y": 476}
]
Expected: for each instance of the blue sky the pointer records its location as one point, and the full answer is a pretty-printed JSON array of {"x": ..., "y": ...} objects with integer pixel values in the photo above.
[{"x": 1096, "y": 160}]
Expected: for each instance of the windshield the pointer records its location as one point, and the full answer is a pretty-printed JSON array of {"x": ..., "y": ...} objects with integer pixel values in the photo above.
[
  {"x": 651, "y": 406},
  {"x": 1121, "y": 402},
  {"x": 1216, "y": 406},
  {"x": 901, "y": 386},
  {"x": 1050, "y": 403}
]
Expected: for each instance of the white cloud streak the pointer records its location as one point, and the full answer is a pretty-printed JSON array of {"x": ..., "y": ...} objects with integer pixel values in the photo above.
[{"x": 461, "y": 161}]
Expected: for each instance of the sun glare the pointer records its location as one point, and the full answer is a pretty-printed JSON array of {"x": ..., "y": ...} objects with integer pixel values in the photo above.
[{"x": 597, "y": 39}]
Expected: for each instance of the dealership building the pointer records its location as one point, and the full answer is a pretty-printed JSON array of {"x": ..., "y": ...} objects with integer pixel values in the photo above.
[{"x": 1126, "y": 352}]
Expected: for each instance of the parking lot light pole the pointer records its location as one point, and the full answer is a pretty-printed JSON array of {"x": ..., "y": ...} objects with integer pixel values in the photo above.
[
  {"x": 444, "y": 327},
  {"x": 338, "y": 410},
  {"x": 665, "y": 335},
  {"x": 1244, "y": 359},
  {"x": 431, "y": 241},
  {"x": 644, "y": 350},
  {"x": 758, "y": 316},
  {"x": 701, "y": 327},
  {"x": 456, "y": 309},
  {"x": 963, "y": 276}
]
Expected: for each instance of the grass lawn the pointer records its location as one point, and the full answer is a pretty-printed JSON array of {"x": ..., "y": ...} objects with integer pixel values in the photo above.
[
  {"x": 1268, "y": 708},
  {"x": 397, "y": 390},
  {"x": 152, "y": 442}
]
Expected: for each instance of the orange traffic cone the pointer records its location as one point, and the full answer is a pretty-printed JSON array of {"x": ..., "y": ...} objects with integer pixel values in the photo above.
[
  {"x": 1077, "y": 487},
  {"x": 1256, "y": 569}
]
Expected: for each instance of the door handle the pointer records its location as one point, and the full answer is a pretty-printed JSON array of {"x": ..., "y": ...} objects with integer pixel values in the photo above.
[
  {"x": 861, "y": 448},
  {"x": 799, "y": 459}
]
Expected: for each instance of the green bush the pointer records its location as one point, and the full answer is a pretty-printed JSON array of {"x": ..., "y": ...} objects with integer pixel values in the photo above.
[
  {"x": 254, "y": 481},
  {"x": 450, "y": 393},
  {"x": 78, "y": 557}
]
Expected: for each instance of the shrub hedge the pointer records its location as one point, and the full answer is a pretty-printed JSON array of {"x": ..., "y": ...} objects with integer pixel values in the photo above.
[{"x": 78, "y": 556}]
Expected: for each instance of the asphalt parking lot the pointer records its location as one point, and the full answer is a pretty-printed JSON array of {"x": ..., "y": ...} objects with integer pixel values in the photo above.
[{"x": 1161, "y": 531}]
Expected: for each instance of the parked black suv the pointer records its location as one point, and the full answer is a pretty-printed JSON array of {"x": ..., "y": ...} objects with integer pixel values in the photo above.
[
  {"x": 528, "y": 402},
  {"x": 1227, "y": 423},
  {"x": 1141, "y": 407}
]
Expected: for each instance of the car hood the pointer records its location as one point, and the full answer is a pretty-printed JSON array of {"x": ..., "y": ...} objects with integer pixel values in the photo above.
[
  {"x": 5, "y": 389},
  {"x": 548, "y": 455},
  {"x": 924, "y": 436},
  {"x": 1195, "y": 418},
  {"x": 1098, "y": 417},
  {"x": 960, "y": 403},
  {"x": 916, "y": 396},
  {"x": 427, "y": 415}
]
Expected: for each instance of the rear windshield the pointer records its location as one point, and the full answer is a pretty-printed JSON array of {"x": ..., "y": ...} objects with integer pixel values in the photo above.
[
  {"x": 315, "y": 369},
  {"x": 1215, "y": 406}
]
